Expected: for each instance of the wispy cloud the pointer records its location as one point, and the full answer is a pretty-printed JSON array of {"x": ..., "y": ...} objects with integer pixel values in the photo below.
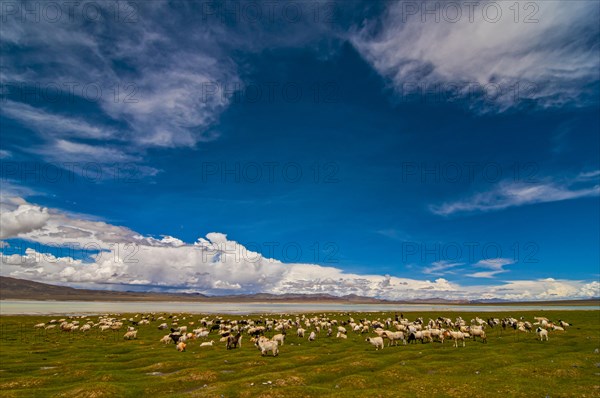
[
  {"x": 165, "y": 86},
  {"x": 441, "y": 267},
  {"x": 151, "y": 82},
  {"x": 495, "y": 267},
  {"x": 511, "y": 194},
  {"x": 392, "y": 233},
  {"x": 53, "y": 125},
  {"x": 558, "y": 61}
]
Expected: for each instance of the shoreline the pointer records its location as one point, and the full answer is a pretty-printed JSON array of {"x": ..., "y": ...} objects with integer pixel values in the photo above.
[{"x": 57, "y": 307}]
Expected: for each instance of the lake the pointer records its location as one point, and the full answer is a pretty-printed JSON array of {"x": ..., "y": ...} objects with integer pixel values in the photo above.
[{"x": 32, "y": 307}]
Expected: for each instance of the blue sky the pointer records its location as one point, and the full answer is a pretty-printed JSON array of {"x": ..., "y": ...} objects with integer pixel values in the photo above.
[{"x": 388, "y": 155}]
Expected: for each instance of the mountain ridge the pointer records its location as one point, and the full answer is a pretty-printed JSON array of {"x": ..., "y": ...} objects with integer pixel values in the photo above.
[{"x": 23, "y": 289}]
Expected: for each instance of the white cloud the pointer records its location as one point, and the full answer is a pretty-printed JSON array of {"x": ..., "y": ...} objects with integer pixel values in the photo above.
[
  {"x": 441, "y": 267},
  {"x": 543, "y": 289},
  {"x": 510, "y": 194},
  {"x": 494, "y": 265},
  {"x": 54, "y": 125},
  {"x": 218, "y": 265},
  {"x": 555, "y": 59},
  {"x": 23, "y": 219},
  {"x": 144, "y": 81}
]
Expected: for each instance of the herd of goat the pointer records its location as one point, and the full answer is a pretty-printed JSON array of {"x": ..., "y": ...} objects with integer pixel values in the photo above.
[{"x": 231, "y": 332}]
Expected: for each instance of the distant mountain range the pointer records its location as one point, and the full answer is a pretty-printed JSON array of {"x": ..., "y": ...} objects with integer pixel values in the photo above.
[{"x": 21, "y": 289}]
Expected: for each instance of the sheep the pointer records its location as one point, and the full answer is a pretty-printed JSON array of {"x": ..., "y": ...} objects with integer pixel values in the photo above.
[
  {"x": 341, "y": 335},
  {"x": 256, "y": 331},
  {"x": 162, "y": 326},
  {"x": 40, "y": 326},
  {"x": 543, "y": 333},
  {"x": 116, "y": 325},
  {"x": 426, "y": 334},
  {"x": 558, "y": 328},
  {"x": 476, "y": 332},
  {"x": 342, "y": 329},
  {"x": 50, "y": 327},
  {"x": 85, "y": 328},
  {"x": 181, "y": 347},
  {"x": 312, "y": 336},
  {"x": 166, "y": 339},
  {"x": 207, "y": 344},
  {"x": 393, "y": 337},
  {"x": 265, "y": 345},
  {"x": 456, "y": 336},
  {"x": 420, "y": 335},
  {"x": 438, "y": 333},
  {"x": 301, "y": 332},
  {"x": 279, "y": 338},
  {"x": 564, "y": 324},
  {"x": 130, "y": 335},
  {"x": 375, "y": 341},
  {"x": 66, "y": 327},
  {"x": 202, "y": 333}
]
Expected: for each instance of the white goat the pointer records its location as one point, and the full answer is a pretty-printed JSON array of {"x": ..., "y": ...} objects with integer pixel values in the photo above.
[
  {"x": 456, "y": 336},
  {"x": 543, "y": 333},
  {"x": 393, "y": 337},
  {"x": 376, "y": 341},
  {"x": 265, "y": 345},
  {"x": 279, "y": 338}
]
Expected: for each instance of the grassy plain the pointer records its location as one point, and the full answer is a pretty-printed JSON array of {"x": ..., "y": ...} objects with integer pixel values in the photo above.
[{"x": 36, "y": 363}]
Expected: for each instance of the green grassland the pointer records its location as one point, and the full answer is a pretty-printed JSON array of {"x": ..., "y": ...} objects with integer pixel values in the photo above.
[{"x": 95, "y": 364}]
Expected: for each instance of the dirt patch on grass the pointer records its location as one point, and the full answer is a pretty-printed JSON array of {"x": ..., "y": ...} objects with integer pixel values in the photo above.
[
  {"x": 91, "y": 392},
  {"x": 20, "y": 383},
  {"x": 290, "y": 381},
  {"x": 397, "y": 374},
  {"x": 304, "y": 358},
  {"x": 200, "y": 376},
  {"x": 155, "y": 367},
  {"x": 79, "y": 373},
  {"x": 257, "y": 363},
  {"x": 353, "y": 381},
  {"x": 162, "y": 368}
]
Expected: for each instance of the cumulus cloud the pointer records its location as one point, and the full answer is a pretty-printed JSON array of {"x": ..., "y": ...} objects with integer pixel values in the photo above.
[
  {"x": 553, "y": 60},
  {"x": 217, "y": 265},
  {"x": 22, "y": 220},
  {"x": 512, "y": 193},
  {"x": 543, "y": 289}
]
